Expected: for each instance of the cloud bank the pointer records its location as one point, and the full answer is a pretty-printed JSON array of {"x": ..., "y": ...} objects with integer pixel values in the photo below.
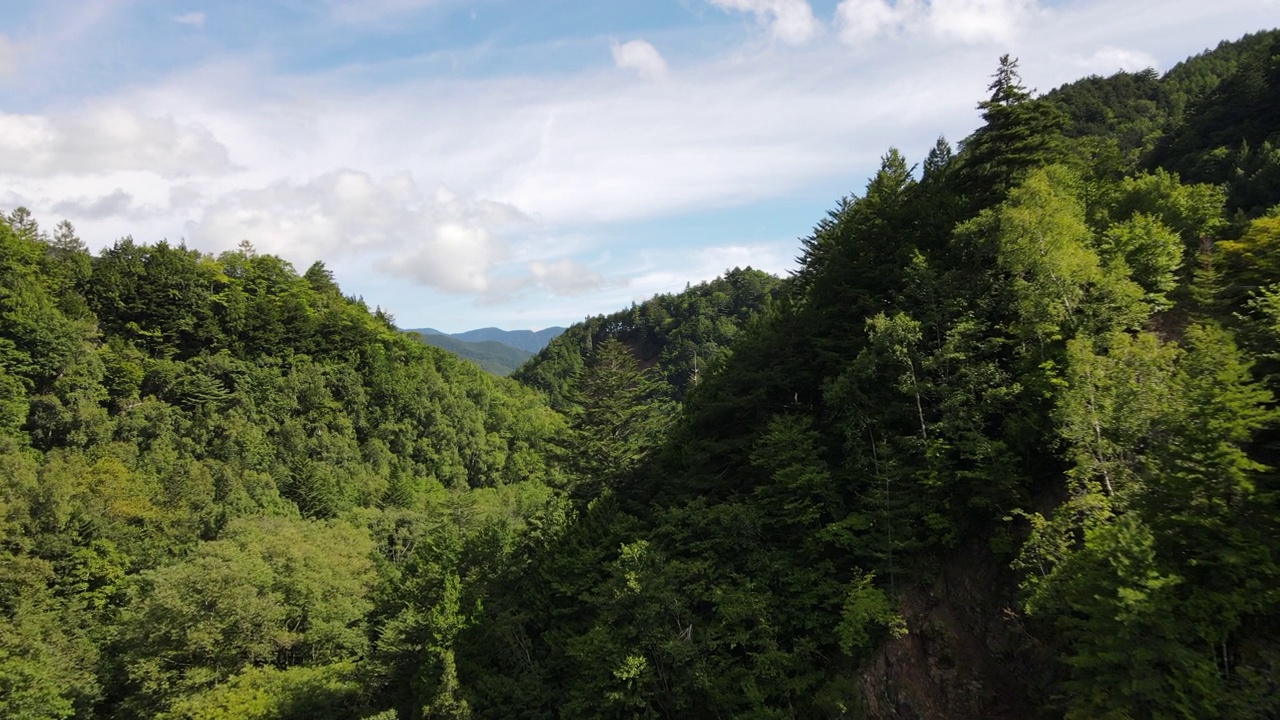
[
  {"x": 439, "y": 239},
  {"x": 106, "y": 138},
  {"x": 548, "y": 168}
]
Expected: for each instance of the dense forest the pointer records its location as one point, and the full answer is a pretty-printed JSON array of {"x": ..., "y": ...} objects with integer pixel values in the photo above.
[
  {"x": 1004, "y": 446},
  {"x": 671, "y": 335}
]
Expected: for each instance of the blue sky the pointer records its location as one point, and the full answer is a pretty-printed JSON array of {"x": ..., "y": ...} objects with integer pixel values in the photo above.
[{"x": 519, "y": 163}]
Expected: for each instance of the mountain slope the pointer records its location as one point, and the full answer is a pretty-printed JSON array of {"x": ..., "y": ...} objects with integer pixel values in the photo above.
[
  {"x": 215, "y": 474},
  {"x": 528, "y": 340},
  {"x": 1213, "y": 118},
  {"x": 495, "y": 357},
  {"x": 1005, "y": 446},
  {"x": 1001, "y": 450},
  {"x": 677, "y": 334}
]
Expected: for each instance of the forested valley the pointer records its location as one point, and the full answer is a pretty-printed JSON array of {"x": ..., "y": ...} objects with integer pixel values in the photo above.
[{"x": 1004, "y": 446}]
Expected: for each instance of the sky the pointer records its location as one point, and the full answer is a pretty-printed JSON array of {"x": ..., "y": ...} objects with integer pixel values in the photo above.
[{"x": 519, "y": 163}]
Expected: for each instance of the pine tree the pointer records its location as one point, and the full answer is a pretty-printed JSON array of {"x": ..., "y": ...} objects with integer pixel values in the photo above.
[
  {"x": 1020, "y": 133},
  {"x": 620, "y": 419}
]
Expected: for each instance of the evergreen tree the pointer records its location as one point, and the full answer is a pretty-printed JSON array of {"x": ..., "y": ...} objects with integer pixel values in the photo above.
[
  {"x": 621, "y": 418},
  {"x": 1019, "y": 132}
]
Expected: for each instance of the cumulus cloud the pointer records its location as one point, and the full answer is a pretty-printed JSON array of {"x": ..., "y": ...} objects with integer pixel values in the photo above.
[
  {"x": 641, "y": 57},
  {"x": 791, "y": 21},
  {"x": 965, "y": 21},
  {"x": 440, "y": 240},
  {"x": 195, "y": 19},
  {"x": 861, "y": 20},
  {"x": 450, "y": 256},
  {"x": 975, "y": 21},
  {"x": 107, "y": 139}
]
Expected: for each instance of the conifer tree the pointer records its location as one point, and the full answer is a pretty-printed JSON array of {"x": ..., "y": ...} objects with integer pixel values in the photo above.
[
  {"x": 620, "y": 419},
  {"x": 1020, "y": 132}
]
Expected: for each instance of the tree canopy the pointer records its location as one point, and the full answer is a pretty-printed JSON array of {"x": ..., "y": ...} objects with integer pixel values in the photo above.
[{"x": 1003, "y": 446}]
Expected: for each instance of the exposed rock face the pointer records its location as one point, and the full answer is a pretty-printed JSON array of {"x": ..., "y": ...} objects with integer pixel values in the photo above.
[{"x": 965, "y": 655}]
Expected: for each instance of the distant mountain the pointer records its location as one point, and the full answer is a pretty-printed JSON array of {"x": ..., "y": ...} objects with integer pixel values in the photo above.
[
  {"x": 494, "y": 357},
  {"x": 523, "y": 339},
  {"x": 527, "y": 340}
]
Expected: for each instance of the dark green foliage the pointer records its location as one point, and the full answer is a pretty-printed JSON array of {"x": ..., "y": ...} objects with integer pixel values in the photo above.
[
  {"x": 1230, "y": 133},
  {"x": 1162, "y": 555},
  {"x": 268, "y": 593},
  {"x": 1132, "y": 108},
  {"x": 326, "y": 692},
  {"x": 620, "y": 415},
  {"x": 1211, "y": 119},
  {"x": 952, "y": 351},
  {"x": 681, "y": 334},
  {"x": 1019, "y": 132}
]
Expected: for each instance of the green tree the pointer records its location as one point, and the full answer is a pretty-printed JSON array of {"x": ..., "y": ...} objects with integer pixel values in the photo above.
[
  {"x": 1160, "y": 555},
  {"x": 622, "y": 415},
  {"x": 326, "y": 692},
  {"x": 1018, "y": 133},
  {"x": 46, "y": 663},
  {"x": 271, "y": 591},
  {"x": 1151, "y": 254}
]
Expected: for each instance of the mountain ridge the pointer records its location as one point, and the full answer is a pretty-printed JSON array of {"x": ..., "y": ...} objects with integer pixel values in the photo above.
[
  {"x": 494, "y": 357},
  {"x": 530, "y": 341}
]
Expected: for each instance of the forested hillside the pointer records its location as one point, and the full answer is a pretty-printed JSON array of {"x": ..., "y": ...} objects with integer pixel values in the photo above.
[
  {"x": 1213, "y": 118},
  {"x": 1005, "y": 446},
  {"x": 493, "y": 356},
  {"x": 528, "y": 340},
  {"x": 677, "y": 334},
  {"x": 223, "y": 482}
]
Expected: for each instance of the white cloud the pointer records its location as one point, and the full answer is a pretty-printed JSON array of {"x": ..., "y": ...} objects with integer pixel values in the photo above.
[
  {"x": 440, "y": 240},
  {"x": 342, "y": 165},
  {"x": 641, "y": 57},
  {"x": 791, "y": 21},
  {"x": 195, "y": 19},
  {"x": 450, "y": 256},
  {"x": 1110, "y": 60},
  {"x": 965, "y": 21},
  {"x": 976, "y": 21},
  {"x": 105, "y": 139},
  {"x": 862, "y": 20},
  {"x": 564, "y": 277}
]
